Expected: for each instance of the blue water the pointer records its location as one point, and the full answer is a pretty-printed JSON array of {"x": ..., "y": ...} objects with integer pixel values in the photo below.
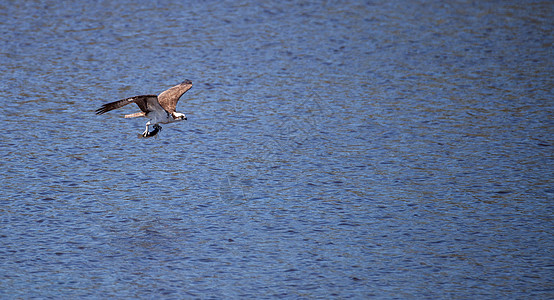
[{"x": 382, "y": 149}]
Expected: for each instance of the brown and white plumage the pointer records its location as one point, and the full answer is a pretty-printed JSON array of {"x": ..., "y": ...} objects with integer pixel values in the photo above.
[{"x": 159, "y": 109}]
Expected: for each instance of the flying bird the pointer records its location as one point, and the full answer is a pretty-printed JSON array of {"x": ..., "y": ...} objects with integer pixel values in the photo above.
[{"x": 159, "y": 109}]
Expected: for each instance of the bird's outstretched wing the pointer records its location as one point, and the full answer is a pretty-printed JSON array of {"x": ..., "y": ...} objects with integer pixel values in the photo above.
[
  {"x": 146, "y": 103},
  {"x": 168, "y": 98}
]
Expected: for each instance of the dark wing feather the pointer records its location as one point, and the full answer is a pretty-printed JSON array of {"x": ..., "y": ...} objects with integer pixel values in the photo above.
[
  {"x": 141, "y": 101},
  {"x": 168, "y": 99}
]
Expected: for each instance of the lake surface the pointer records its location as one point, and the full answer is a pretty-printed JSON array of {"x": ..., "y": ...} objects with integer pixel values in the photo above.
[{"x": 340, "y": 149}]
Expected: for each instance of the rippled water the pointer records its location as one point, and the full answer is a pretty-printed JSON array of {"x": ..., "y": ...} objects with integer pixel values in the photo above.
[{"x": 381, "y": 149}]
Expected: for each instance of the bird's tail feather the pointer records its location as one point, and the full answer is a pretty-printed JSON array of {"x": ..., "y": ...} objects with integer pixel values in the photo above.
[{"x": 138, "y": 114}]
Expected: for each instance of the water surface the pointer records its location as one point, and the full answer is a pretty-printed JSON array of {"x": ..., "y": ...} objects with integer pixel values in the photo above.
[{"x": 383, "y": 149}]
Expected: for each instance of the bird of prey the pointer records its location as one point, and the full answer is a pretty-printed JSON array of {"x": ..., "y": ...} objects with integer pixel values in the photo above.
[{"x": 159, "y": 109}]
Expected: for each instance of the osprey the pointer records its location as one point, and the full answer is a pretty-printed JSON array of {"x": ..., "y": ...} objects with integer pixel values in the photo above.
[{"x": 159, "y": 109}]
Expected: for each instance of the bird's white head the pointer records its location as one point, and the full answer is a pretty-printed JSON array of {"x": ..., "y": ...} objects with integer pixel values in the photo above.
[{"x": 178, "y": 116}]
